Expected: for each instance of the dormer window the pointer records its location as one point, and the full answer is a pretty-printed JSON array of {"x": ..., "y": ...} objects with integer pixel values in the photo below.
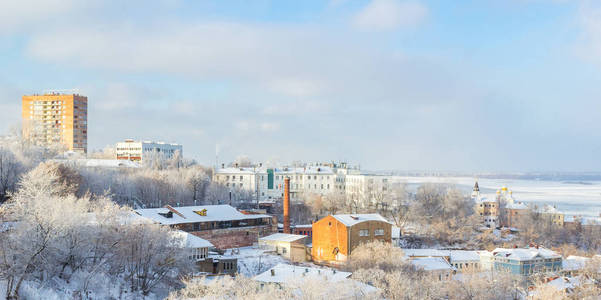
[{"x": 168, "y": 214}]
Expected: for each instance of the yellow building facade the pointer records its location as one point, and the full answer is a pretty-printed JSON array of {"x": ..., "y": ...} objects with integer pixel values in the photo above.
[{"x": 56, "y": 119}]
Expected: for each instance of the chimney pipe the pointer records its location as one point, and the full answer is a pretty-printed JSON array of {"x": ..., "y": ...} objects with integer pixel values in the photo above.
[{"x": 287, "y": 205}]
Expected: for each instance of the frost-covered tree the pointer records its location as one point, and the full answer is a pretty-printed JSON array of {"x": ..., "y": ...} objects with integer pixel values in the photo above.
[
  {"x": 49, "y": 233},
  {"x": 10, "y": 170}
]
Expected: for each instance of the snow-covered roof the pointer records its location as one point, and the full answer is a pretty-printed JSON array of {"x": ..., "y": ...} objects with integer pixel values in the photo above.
[
  {"x": 432, "y": 264},
  {"x": 313, "y": 170},
  {"x": 522, "y": 254},
  {"x": 563, "y": 283},
  {"x": 191, "y": 214},
  {"x": 302, "y": 226},
  {"x": 573, "y": 263},
  {"x": 463, "y": 255},
  {"x": 484, "y": 253},
  {"x": 486, "y": 200},
  {"x": 236, "y": 171},
  {"x": 283, "y": 237},
  {"x": 354, "y": 219},
  {"x": 191, "y": 241},
  {"x": 295, "y": 276},
  {"x": 324, "y": 170},
  {"x": 518, "y": 205},
  {"x": 284, "y": 273},
  {"x": 426, "y": 253},
  {"x": 548, "y": 209}
]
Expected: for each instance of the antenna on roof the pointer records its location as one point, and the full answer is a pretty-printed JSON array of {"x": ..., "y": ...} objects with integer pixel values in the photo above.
[{"x": 63, "y": 91}]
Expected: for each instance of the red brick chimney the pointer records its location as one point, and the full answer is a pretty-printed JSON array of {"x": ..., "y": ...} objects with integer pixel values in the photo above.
[{"x": 287, "y": 205}]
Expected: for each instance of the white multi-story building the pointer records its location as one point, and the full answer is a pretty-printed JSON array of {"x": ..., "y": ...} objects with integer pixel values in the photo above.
[
  {"x": 268, "y": 183},
  {"x": 319, "y": 179},
  {"x": 366, "y": 189},
  {"x": 137, "y": 151}
]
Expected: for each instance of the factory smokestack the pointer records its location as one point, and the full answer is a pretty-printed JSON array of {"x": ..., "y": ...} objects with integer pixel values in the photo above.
[{"x": 287, "y": 205}]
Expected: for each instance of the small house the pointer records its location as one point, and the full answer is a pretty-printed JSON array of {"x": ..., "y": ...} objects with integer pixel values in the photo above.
[{"x": 290, "y": 246}]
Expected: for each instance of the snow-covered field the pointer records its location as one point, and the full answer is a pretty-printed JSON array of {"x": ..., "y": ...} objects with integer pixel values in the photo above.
[{"x": 573, "y": 198}]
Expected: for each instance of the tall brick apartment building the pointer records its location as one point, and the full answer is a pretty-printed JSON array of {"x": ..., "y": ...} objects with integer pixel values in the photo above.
[
  {"x": 335, "y": 236},
  {"x": 56, "y": 119},
  {"x": 223, "y": 225}
]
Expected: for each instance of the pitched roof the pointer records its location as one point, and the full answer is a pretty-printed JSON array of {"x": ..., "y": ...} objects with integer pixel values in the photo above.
[
  {"x": 431, "y": 263},
  {"x": 518, "y": 205},
  {"x": 525, "y": 253},
  {"x": 426, "y": 253},
  {"x": 284, "y": 273},
  {"x": 486, "y": 200},
  {"x": 189, "y": 240},
  {"x": 353, "y": 219},
  {"x": 214, "y": 213},
  {"x": 463, "y": 255},
  {"x": 295, "y": 275},
  {"x": 572, "y": 263},
  {"x": 548, "y": 209},
  {"x": 283, "y": 237}
]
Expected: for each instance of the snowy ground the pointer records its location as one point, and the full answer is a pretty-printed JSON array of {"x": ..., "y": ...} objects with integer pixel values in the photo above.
[
  {"x": 573, "y": 198},
  {"x": 96, "y": 287}
]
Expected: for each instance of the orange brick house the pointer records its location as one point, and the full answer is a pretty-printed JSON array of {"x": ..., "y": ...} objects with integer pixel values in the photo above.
[{"x": 335, "y": 236}]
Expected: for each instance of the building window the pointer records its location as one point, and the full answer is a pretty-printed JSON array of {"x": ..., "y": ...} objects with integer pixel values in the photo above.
[
  {"x": 379, "y": 231},
  {"x": 364, "y": 232}
]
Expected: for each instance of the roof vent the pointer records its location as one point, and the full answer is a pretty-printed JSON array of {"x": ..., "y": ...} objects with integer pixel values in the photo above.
[
  {"x": 355, "y": 217},
  {"x": 272, "y": 272}
]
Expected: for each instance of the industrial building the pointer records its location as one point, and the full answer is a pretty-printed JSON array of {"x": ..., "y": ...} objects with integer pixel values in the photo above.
[{"x": 222, "y": 225}]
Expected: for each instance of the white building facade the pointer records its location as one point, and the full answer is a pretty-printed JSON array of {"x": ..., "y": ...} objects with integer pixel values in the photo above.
[
  {"x": 138, "y": 150},
  {"x": 267, "y": 184}
]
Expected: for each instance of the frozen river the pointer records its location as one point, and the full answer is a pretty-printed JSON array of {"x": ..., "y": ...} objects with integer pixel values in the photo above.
[{"x": 573, "y": 198}]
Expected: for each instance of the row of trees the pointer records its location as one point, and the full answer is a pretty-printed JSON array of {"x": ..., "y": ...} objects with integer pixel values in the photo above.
[
  {"x": 155, "y": 183},
  {"x": 536, "y": 227},
  {"x": 50, "y": 234}
]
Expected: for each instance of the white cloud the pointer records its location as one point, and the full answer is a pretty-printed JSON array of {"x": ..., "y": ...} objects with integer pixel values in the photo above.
[
  {"x": 243, "y": 125},
  {"x": 16, "y": 14},
  {"x": 295, "y": 87},
  {"x": 590, "y": 20},
  {"x": 270, "y": 126},
  {"x": 383, "y": 15}
]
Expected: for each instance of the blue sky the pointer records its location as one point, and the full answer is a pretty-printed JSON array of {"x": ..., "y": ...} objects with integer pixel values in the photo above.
[{"x": 497, "y": 85}]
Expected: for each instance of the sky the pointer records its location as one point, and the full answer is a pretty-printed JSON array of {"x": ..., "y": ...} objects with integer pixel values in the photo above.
[{"x": 438, "y": 85}]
